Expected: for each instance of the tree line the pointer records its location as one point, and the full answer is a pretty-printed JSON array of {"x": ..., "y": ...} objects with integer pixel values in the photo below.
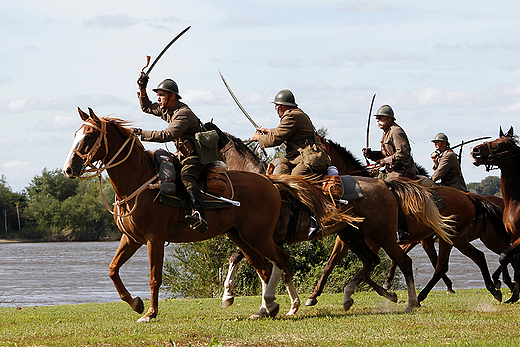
[{"x": 55, "y": 208}]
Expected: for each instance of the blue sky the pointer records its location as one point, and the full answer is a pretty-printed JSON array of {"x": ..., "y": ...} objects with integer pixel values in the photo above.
[{"x": 450, "y": 66}]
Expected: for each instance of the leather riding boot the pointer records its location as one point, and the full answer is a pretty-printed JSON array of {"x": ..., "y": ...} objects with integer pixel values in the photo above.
[
  {"x": 314, "y": 227},
  {"x": 197, "y": 219},
  {"x": 166, "y": 172},
  {"x": 402, "y": 228}
]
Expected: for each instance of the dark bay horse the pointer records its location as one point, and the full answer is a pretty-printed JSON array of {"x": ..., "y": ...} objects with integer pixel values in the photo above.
[
  {"x": 379, "y": 227},
  {"x": 458, "y": 204},
  {"x": 504, "y": 153},
  {"x": 109, "y": 144}
]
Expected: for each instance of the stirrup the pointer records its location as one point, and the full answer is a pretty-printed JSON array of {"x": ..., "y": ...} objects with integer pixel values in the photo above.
[{"x": 197, "y": 222}]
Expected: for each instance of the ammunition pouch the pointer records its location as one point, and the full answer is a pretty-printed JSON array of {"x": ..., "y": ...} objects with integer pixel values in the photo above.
[{"x": 206, "y": 145}]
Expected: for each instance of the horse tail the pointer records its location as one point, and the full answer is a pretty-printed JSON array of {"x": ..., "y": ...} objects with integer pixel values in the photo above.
[
  {"x": 487, "y": 210},
  {"x": 304, "y": 190},
  {"x": 416, "y": 201}
]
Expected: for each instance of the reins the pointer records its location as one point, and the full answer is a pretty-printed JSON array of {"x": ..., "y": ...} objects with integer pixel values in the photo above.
[{"x": 99, "y": 170}]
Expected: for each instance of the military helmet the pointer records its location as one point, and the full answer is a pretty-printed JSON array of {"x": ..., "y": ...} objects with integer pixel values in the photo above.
[
  {"x": 168, "y": 85},
  {"x": 386, "y": 111},
  {"x": 441, "y": 137},
  {"x": 284, "y": 97}
]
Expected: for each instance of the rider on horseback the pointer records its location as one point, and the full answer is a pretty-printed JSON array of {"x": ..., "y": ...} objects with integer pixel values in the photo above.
[
  {"x": 298, "y": 134},
  {"x": 183, "y": 125},
  {"x": 446, "y": 165},
  {"x": 395, "y": 155}
]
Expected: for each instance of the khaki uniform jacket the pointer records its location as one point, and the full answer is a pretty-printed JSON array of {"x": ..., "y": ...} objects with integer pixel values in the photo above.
[
  {"x": 295, "y": 126},
  {"x": 183, "y": 123},
  {"x": 395, "y": 144},
  {"x": 449, "y": 172}
]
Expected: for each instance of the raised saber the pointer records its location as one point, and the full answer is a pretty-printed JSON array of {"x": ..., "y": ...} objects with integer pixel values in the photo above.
[
  {"x": 238, "y": 102},
  {"x": 162, "y": 52},
  {"x": 368, "y": 125},
  {"x": 240, "y": 107},
  {"x": 465, "y": 143}
]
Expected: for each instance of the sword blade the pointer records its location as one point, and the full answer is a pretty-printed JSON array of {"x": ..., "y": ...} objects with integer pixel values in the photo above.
[
  {"x": 238, "y": 102},
  {"x": 165, "y": 49},
  {"x": 466, "y": 142}
]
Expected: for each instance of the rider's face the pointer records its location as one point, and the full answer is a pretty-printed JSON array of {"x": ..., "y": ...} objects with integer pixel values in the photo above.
[
  {"x": 382, "y": 121},
  {"x": 162, "y": 97}
]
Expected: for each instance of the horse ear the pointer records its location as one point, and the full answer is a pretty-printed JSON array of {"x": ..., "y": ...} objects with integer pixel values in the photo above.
[
  {"x": 511, "y": 132},
  {"x": 500, "y": 133},
  {"x": 92, "y": 114},
  {"x": 82, "y": 114}
]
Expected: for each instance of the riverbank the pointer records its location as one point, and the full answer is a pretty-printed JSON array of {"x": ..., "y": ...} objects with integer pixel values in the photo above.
[{"x": 468, "y": 318}]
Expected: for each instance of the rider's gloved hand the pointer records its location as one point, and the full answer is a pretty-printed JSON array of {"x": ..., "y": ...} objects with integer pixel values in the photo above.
[{"x": 142, "y": 81}]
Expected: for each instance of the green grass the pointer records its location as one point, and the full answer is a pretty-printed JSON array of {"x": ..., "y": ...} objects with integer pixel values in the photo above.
[{"x": 468, "y": 318}]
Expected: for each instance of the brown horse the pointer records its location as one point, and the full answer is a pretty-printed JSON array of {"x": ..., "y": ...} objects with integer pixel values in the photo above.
[
  {"x": 504, "y": 153},
  {"x": 143, "y": 220},
  {"x": 458, "y": 204},
  {"x": 380, "y": 228}
]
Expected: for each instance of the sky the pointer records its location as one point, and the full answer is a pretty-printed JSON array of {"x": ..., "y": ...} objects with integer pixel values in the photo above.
[{"x": 443, "y": 66}]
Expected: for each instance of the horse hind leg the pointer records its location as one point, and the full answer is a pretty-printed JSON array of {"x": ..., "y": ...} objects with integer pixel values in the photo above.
[
  {"x": 228, "y": 297},
  {"x": 125, "y": 251},
  {"x": 340, "y": 248}
]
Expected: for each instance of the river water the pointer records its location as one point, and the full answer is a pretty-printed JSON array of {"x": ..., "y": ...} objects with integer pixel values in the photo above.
[{"x": 59, "y": 273}]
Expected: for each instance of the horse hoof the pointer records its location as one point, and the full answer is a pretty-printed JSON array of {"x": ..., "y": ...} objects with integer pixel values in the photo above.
[
  {"x": 347, "y": 304},
  {"x": 311, "y": 302},
  {"x": 392, "y": 296},
  {"x": 498, "y": 284},
  {"x": 260, "y": 314},
  {"x": 450, "y": 291},
  {"x": 512, "y": 299},
  {"x": 144, "y": 319},
  {"x": 227, "y": 302},
  {"x": 274, "y": 311},
  {"x": 498, "y": 295},
  {"x": 137, "y": 304}
]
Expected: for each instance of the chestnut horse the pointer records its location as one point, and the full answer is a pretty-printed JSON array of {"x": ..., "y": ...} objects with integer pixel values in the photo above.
[
  {"x": 143, "y": 220},
  {"x": 458, "y": 204},
  {"x": 504, "y": 153},
  {"x": 381, "y": 228}
]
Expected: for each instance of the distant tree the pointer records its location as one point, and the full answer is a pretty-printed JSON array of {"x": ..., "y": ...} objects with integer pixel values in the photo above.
[
  {"x": 488, "y": 186},
  {"x": 8, "y": 207},
  {"x": 65, "y": 209}
]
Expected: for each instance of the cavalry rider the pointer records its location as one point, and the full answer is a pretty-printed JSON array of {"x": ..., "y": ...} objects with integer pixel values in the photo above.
[
  {"x": 297, "y": 132},
  {"x": 446, "y": 164},
  {"x": 182, "y": 127},
  {"x": 395, "y": 155}
]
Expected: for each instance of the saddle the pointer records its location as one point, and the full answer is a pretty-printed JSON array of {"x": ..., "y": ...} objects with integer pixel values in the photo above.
[
  {"x": 343, "y": 188},
  {"x": 217, "y": 181}
]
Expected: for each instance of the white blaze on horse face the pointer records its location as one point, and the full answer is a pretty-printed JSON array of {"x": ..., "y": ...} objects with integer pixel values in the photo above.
[{"x": 78, "y": 139}]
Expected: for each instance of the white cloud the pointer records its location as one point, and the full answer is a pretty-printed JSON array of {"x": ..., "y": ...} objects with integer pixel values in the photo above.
[{"x": 117, "y": 21}]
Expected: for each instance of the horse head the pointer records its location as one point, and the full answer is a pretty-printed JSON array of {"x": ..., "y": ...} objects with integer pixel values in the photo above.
[
  {"x": 494, "y": 153},
  {"x": 90, "y": 147}
]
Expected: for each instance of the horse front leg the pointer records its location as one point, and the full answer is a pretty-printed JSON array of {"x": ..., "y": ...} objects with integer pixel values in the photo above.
[
  {"x": 340, "y": 248},
  {"x": 125, "y": 251},
  {"x": 227, "y": 297},
  {"x": 156, "y": 256},
  {"x": 428, "y": 244}
]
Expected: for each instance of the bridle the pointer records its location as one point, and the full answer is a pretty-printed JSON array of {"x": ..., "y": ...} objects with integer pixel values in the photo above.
[
  {"x": 102, "y": 137},
  {"x": 98, "y": 170},
  {"x": 494, "y": 155}
]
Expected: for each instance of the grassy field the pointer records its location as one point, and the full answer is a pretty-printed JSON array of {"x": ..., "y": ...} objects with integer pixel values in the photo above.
[{"x": 468, "y": 318}]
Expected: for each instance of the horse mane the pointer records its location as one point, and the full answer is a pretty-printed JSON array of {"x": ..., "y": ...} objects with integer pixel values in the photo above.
[
  {"x": 422, "y": 171},
  {"x": 123, "y": 127},
  {"x": 348, "y": 156},
  {"x": 245, "y": 151}
]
